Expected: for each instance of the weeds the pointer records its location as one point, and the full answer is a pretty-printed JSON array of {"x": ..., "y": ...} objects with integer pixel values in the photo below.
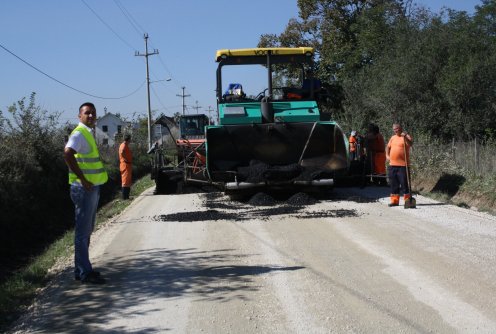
[
  {"x": 460, "y": 174},
  {"x": 18, "y": 292}
]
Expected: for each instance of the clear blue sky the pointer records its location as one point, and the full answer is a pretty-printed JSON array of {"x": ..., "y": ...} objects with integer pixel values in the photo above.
[{"x": 93, "y": 50}]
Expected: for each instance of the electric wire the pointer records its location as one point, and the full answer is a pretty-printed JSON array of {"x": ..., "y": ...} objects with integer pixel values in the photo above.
[
  {"x": 160, "y": 101},
  {"x": 108, "y": 26},
  {"x": 68, "y": 86},
  {"x": 134, "y": 23},
  {"x": 130, "y": 18},
  {"x": 141, "y": 31}
]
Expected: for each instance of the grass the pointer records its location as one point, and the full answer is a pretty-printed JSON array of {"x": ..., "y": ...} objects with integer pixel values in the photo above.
[
  {"x": 18, "y": 292},
  {"x": 451, "y": 173},
  {"x": 474, "y": 192}
]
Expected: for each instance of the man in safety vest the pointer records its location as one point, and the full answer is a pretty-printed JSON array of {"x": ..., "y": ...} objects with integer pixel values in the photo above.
[
  {"x": 125, "y": 166},
  {"x": 398, "y": 154},
  {"x": 86, "y": 175}
]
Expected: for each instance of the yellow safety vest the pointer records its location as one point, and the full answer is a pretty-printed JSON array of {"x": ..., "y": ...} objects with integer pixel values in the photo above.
[{"x": 90, "y": 163}]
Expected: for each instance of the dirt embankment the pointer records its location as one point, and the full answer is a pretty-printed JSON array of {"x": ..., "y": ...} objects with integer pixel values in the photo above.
[{"x": 451, "y": 188}]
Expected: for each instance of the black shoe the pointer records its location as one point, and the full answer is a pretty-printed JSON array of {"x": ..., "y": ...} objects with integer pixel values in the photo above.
[
  {"x": 392, "y": 204},
  {"x": 77, "y": 277},
  {"x": 93, "y": 278}
]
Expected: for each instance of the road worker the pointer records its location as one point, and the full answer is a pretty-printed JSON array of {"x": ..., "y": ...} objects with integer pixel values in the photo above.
[
  {"x": 377, "y": 147},
  {"x": 353, "y": 141},
  {"x": 125, "y": 166},
  {"x": 86, "y": 175},
  {"x": 398, "y": 155}
]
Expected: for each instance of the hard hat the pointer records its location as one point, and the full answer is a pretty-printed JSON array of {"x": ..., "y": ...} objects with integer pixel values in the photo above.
[{"x": 353, "y": 133}]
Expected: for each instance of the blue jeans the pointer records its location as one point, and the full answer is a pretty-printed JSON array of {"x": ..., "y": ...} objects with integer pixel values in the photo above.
[{"x": 85, "y": 204}]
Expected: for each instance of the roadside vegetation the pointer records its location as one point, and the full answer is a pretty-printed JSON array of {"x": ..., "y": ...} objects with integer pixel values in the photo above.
[
  {"x": 36, "y": 213},
  {"x": 19, "y": 289},
  {"x": 461, "y": 172}
]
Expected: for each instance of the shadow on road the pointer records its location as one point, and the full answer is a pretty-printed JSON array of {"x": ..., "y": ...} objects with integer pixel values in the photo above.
[{"x": 136, "y": 281}]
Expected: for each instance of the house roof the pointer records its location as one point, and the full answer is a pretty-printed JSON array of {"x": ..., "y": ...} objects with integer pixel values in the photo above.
[{"x": 110, "y": 116}]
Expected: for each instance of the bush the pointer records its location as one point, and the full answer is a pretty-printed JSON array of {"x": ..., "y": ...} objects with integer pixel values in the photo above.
[
  {"x": 35, "y": 207},
  {"x": 33, "y": 180}
]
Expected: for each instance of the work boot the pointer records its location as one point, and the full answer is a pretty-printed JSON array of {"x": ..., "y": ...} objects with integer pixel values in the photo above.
[
  {"x": 394, "y": 200},
  {"x": 125, "y": 192}
]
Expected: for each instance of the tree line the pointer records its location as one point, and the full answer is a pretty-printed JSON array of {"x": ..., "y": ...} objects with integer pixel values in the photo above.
[{"x": 392, "y": 60}]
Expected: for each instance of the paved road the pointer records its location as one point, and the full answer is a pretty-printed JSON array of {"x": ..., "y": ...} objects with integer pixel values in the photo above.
[{"x": 198, "y": 263}]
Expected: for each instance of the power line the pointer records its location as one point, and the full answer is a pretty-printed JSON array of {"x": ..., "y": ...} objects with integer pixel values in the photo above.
[
  {"x": 183, "y": 96},
  {"x": 135, "y": 24},
  {"x": 139, "y": 29},
  {"x": 158, "y": 98},
  {"x": 68, "y": 86},
  {"x": 130, "y": 18},
  {"x": 108, "y": 26}
]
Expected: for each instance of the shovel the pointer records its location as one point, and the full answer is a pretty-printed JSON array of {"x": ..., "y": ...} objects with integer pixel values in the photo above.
[{"x": 410, "y": 203}]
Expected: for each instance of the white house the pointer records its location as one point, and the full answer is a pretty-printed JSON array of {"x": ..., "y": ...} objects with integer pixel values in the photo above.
[{"x": 108, "y": 127}]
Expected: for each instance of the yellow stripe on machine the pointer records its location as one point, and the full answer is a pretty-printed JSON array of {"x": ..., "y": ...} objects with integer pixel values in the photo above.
[{"x": 224, "y": 53}]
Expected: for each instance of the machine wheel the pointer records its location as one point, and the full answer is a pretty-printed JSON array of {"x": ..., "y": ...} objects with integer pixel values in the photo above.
[{"x": 166, "y": 183}]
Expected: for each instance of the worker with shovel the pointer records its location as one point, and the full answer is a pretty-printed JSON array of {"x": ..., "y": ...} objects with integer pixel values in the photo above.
[{"x": 398, "y": 155}]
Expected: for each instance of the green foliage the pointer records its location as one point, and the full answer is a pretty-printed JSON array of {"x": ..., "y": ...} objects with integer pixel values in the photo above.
[
  {"x": 35, "y": 207},
  {"x": 391, "y": 61},
  {"x": 18, "y": 291},
  {"x": 33, "y": 177}
]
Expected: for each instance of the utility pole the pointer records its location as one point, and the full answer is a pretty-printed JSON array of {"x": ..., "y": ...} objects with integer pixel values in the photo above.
[
  {"x": 197, "y": 107},
  {"x": 183, "y": 96},
  {"x": 146, "y": 54},
  {"x": 209, "y": 110}
]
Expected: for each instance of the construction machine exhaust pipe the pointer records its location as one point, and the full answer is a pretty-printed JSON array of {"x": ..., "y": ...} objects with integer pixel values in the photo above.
[{"x": 267, "y": 111}]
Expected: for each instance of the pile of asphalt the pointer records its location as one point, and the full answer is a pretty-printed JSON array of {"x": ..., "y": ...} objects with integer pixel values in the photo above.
[
  {"x": 254, "y": 172},
  {"x": 258, "y": 171},
  {"x": 194, "y": 216},
  {"x": 261, "y": 206},
  {"x": 261, "y": 199},
  {"x": 301, "y": 199}
]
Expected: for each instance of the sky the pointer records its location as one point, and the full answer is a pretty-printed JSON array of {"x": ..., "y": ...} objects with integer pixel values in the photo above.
[{"x": 74, "y": 51}]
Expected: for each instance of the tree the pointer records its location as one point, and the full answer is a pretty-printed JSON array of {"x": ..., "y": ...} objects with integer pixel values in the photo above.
[{"x": 388, "y": 61}]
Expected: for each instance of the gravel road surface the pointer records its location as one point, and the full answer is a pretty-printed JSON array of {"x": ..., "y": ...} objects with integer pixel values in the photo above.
[{"x": 346, "y": 263}]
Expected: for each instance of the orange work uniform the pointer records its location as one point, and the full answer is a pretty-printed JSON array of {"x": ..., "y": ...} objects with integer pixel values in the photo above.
[
  {"x": 353, "y": 143},
  {"x": 396, "y": 146},
  {"x": 125, "y": 166},
  {"x": 353, "y": 147},
  {"x": 378, "y": 148},
  {"x": 397, "y": 173}
]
